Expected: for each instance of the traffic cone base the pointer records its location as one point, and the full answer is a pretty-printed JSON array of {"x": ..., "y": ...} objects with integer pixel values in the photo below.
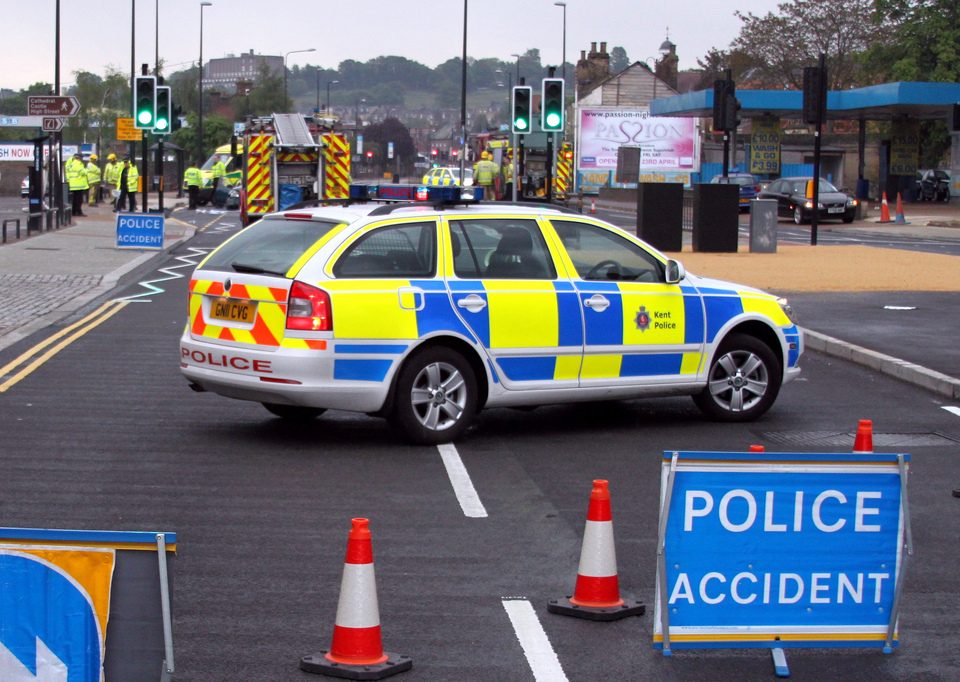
[
  {"x": 320, "y": 663},
  {"x": 597, "y": 592},
  {"x": 567, "y": 607}
]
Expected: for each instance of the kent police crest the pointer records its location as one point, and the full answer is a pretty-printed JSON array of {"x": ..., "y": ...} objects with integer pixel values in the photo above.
[{"x": 642, "y": 319}]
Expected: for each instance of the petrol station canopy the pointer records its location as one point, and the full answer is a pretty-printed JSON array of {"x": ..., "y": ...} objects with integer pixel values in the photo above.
[{"x": 888, "y": 101}]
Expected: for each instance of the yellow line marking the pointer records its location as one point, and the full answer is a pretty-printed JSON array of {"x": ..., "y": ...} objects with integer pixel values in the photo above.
[
  {"x": 211, "y": 222},
  {"x": 81, "y": 326}
]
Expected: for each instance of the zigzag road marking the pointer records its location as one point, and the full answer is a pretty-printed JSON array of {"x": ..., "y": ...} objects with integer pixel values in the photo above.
[{"x": 188, "y": 261}]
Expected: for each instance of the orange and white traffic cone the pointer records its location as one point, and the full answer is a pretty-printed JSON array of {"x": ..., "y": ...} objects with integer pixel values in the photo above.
[
  {"x": 593, "y": 205},
  {"x": 597, "y": 592},
  {"x": 356, "y": 652},
  {"x": 863, "y": 443},
  {"x": 901, "y": 219},
  {"x": 884, "y": 210}
]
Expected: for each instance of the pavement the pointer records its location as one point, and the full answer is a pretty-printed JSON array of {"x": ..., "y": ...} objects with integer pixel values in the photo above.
[{"x": 906, "y": 329}]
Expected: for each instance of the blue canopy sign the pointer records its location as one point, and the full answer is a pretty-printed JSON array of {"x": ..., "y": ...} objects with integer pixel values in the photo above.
[{"x": 780, "y": 550}]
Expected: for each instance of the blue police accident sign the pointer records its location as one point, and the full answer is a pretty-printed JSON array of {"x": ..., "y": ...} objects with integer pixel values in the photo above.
[
  {"x": 139, "y": 231},
  {"x": 780, "y": 550}
]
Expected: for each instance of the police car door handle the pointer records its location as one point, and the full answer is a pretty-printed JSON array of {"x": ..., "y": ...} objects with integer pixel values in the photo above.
[
  {"x": 411, "y": 298},
  {"x": 597, "y": 303},
  {"x": 473, "y": 303}
]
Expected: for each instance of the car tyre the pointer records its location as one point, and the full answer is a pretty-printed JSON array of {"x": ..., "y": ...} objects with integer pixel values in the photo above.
[
  {"x": 848, "y": 218},
  {"x": 298, "y": 413},
  {"x": 798, "y": 216},
  {"x": 743, "y": 380},
  {"x": 436, "y": 396}
]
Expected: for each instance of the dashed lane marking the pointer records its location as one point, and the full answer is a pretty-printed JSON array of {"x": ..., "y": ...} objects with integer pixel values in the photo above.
[
  {"x": 460, "y": 480},
  {"x": 536, "y": 646},
  {"x": 952, "y": 409}
]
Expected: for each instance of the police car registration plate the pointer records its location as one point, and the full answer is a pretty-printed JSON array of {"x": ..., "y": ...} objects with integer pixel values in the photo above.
[{"x": 233, "y": 310}]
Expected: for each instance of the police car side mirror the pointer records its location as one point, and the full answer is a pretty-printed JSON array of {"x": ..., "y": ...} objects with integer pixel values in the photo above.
[{"x": 675, "y": 271}]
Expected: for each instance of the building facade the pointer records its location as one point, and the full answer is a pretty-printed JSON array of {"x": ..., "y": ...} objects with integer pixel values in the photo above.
[{"x": 225, "y": 73}]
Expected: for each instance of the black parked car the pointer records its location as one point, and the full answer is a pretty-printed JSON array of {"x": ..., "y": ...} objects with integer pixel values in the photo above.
[
  {"x": 933, "y": 185},
  {"x": 792, "y": 201}
]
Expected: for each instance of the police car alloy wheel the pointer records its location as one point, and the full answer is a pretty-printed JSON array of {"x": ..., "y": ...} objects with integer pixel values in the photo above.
[
  {"x": 743, "y": 382},
  {"x": 436, "y": 396},
  {"x": 294, "y": 412}
]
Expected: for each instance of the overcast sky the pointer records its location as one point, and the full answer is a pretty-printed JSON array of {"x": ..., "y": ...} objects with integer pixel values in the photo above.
[{"x": 95, "y": 34}]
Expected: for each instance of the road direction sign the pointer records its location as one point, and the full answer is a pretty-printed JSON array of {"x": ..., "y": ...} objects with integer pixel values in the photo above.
[
  {"x": 52, "y": 105},
  {"x": 52, "y": 124},
  {"x": 21, "y": 121}
]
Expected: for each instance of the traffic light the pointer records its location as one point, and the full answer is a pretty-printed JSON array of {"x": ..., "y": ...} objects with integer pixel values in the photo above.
[
  {"x": 814, "y": 94},
  {"x": 732, "y": 109},
  {"x": 520, "y": 124},
  {"x": 164, "y": 120},
  {"x": 551, "y": 105},
  {"x": 719, "y": 104},
  {"x": 144, "y": 102},
  {"x": 175, "y": 124}
]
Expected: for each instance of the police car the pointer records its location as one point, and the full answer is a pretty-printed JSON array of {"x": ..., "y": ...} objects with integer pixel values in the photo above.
[
  {"x": 426, "y": 314},
  {"x": 447, "y": 176}
]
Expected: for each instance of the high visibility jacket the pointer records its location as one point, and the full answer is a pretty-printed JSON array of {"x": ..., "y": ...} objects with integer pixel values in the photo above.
[
  {"x": 508, "y": 172},
  {"x": 484, "y": 172},
  {"x": 219, "y": 169},
  {"x": 110, "y": 172},
  {"x": 133, "y": 176},
  {"x": 93, "y": 174},
  {"x": 76, "y": 175},
  {"x": 192, "y": 177}
]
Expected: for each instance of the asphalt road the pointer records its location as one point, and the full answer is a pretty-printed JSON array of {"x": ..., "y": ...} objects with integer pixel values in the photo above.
[{"x": 106, "y": 435}]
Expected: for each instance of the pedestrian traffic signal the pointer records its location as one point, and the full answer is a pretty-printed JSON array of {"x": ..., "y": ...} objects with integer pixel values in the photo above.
[
  {"x": 551, "y": 105},
  {"x": 144, "y": 102},
  {"x": 521, "y": 122},
  {"x": 162, "y": 125},
  {"x": 175, "y": 117}
]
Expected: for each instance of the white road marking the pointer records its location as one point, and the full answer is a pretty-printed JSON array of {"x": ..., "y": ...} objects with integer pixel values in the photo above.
[
  {"x": 536, "y": 647},
  {"x": 952, "y": 409},
  {"x": 899, "y": 307},
  {"x": 460, "y": 480}
]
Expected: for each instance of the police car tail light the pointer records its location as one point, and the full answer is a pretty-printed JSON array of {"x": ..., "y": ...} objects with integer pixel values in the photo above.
[{"x": 308, "y": 309}]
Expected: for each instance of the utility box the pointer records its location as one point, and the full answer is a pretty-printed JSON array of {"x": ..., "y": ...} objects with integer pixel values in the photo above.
[
  {"x": 660, "y": 214},
  {"x": 763, "y": 226},
  {"x": 716, "y": 217}
]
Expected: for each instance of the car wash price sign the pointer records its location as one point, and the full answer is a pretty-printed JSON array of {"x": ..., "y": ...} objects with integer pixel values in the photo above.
[{"x": 780, "y": 550}]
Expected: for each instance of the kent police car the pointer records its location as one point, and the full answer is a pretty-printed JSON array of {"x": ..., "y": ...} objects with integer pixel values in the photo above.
[{"x": 426, "y": 314}]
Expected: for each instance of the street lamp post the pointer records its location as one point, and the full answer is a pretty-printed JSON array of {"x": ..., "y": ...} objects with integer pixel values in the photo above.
[
  {"x": 309, "y": 49},
  {"x": 356, "y": 114},
  {"x": 518, "y": 66},
  {"x": 564, "y": 63},
  {"x": 200, "y": 85},
  {"x": 329, "y": 83},
  {"x": 463, "y": 98}
]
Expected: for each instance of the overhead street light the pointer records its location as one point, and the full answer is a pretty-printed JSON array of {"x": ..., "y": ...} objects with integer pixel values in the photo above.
[
  {"x": 329, "y": 83},
  {"x": 309, "y": 49},
  {"x": 564, "y": 62}
]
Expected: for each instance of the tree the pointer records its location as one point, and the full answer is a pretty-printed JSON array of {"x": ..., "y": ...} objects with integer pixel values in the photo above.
[
  {"x": 216, "y": 131},
  {"x": 266, "y": 96},
  {"x": 779, "y": 46},
  {"x": 392, "y": 130},
  {"x": 618, "y": 60}
]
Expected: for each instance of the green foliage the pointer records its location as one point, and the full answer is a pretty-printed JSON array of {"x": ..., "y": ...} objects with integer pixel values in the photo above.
[
  {"x": 778, "y": 46},
  {"x": 216, "y": 131},
  {"x": 391, "y": 130},
  {"x": 618, "y": 60}
]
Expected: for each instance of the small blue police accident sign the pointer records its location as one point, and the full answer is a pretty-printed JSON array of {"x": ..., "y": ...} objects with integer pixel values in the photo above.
[
  {"x": 139, "y": 231},
  {"x": 780, "y": 550}
]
